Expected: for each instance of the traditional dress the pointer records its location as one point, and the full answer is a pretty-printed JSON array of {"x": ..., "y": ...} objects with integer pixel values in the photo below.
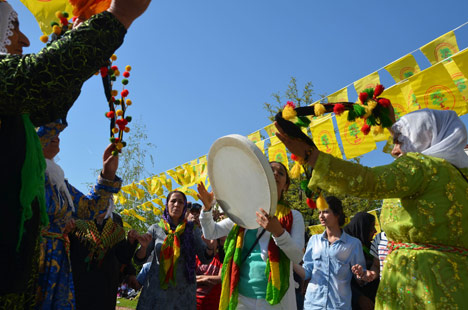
[
  {"x": 64, "y": 202},
  {"x": 37, "y": 89},
  {"x": 428, "y": 267},
  {"x": 101, "y": 258},
  {"x": 290, "y": 247}
]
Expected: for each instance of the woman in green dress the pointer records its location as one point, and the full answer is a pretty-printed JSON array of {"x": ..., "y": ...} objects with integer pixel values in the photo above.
[{"x": 428, "y": 264}]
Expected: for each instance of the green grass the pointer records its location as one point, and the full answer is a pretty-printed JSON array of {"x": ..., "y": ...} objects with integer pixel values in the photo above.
[{"x": 127, "y": 303}]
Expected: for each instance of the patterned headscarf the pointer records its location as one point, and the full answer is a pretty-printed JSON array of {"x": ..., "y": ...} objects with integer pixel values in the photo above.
[
  {"x": 434, "y": 133},
  {"x": 187, "y": 237},
  {"x": 7, "y": 17}
]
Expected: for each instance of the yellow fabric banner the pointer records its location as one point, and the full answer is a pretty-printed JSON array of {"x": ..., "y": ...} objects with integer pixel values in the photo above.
[
  {"x": 44, "y": 11},
  {"x": 461, "y": 59},
  {"x": 395, "y": 95},
  {"x": 355, "y": 143},
  {"x": 165, "y": 181},
  {"x": 261, "y": 145},
  {"x": 367, "y": 82},
  {"x": 120, "y": 198},
  {"x": 324, "y": 137},
  {"x": 278, "y": 153},
  {"x": 202, "y": 167},
  {"x": 339, "y": 96},
  {"x": 410, "y": 97},
  {"x": 158, "y": 202},
  {"x": 274, "y": 140},
  {"x": 458, "y": 78},
  {"x": 434, "y": 89},
  {"x": 442, "y": 47},
  {"x": 255, "y": 137},
  {"x": 271, "y": 130},
  {"x": 133, "y": 190},
  {"x": 403, "y": 68}
]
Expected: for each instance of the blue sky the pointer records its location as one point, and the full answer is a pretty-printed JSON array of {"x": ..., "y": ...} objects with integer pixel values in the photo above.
[{"x": 203, "y": 69}]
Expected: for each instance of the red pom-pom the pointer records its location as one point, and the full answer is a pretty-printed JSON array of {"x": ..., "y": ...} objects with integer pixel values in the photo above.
[
  {"x": 115, "y": 68},
  {"x": 365, "y": 129},
  {"x": 126, "y": 74},
  {"x": 112, "y": 99},
  {"x": 110, "y": 114},
  {"x": 339, "y": 109},
  {"x": 311, "y": 203},
  {"x": 384, "y": 102},
  {"x": 124, "y": 93},
  {"x": 363, "y": 97},
  {"x": 64, "y": 21},
  {"x": 379, "y": 88},
  {"x": 104, "y": 71},
  {"x": 294, "y": 157},
  {"x": 74, "y": 18},
  {"x": 291, "y": 104}
]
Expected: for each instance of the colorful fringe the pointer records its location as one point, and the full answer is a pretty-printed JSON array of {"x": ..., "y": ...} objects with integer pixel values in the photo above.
[
  {"x": 277, "y": 270},
  {"x": 170, "y": 253}
]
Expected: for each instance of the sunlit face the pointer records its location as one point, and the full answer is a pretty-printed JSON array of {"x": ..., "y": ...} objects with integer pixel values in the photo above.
[
  {"x": 18, "y": 40},
  {"x": 281, "y": 178},
  {"x": 175, "y": 206},
  {"x": 396, "y": 152},
  {"x": 328, "y": 218},
  {"x": 52, "y": 149}
]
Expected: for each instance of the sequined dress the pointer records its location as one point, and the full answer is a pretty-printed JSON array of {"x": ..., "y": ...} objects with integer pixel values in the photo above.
[{"x": 433, "y": 210}]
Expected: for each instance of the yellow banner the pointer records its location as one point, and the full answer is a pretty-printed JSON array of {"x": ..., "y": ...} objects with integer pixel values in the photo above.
[
  {"x": 410, "y": 97},
  {"x": 434, "y": 89},
  {"x": 339, "y": 96},
  {"x": 367, "y": 82},
  {"x": 133, "y": 190},
  {"x": 403, "y": 68},
  {"x": 395, "y": 95},
  {"x": 44, "y": 11},
  {"x": 271, "y": 130},
  {"x": 255, "y": 137},
  {"x": 274, "y": 140},
  {"x": 458, "y": 78},
  {"x": 442, "y": 47},
  {"x": 261, "y": 145},
  {"x": 355, "y": 143},
  {"x": 461, "y": 59},
  {"x": 278, "y": 153},
  {"x": 159, "y": 202},
  {"x": 324, "y": 137}
]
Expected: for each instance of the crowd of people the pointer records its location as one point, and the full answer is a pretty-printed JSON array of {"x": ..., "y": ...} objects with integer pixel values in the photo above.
[{"x": 62, "y": 249}]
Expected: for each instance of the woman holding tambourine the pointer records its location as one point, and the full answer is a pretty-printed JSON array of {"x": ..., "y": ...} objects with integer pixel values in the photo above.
[{"x": 257, "y": 269}]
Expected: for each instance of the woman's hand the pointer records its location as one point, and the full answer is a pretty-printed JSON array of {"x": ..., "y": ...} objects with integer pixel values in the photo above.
[
  {"x": 206, "y": 197},
  {"x": 110, "y": 163},
  {"x": 367, "y": 276},
  {"x": 297, "y": 146},
  {"x": 144, "y": 240},
  {"x": 126, "y": 11},
  {"x": 269, "y": 223},
  {"x": 132, "y": 236}
]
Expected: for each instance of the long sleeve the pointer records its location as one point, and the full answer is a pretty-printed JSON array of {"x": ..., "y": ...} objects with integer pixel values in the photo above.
[
  {"x": 211, "y": 229},
  {"x": 153, "y": 231},
  {"x": 406, "y": 176},
  {"x": 46, "y": 84},
  {"x": 293, "y": 244},
  {"x": 88, "y": 206},
  {"x": 308, "y": 261}
]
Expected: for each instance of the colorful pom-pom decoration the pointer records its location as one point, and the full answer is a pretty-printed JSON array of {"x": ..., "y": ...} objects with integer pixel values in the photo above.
[
  {"x": 114, "y": 58},
  {"x": 114, "y": 92},
  {"x": 311, "y": 203},
  {"x": 379, "y": 88},
  {"x": 365, "y": 129},
  {"x": 128, "y": 68},
  {"x": 289, "y": 113},
  {"x": 294, "y": 157},
  {"x": 115, "y": 130},
  {"x": 44, "y": 39},
  {"x": 338, "y": 109},
  {"x": 124, "y": 93},
  {"x": 110, "y": 114},
  {"x": 124, "y": 81},
  {"x": 127, "y": 130},
  {"x": 126, "y": 74},
  {"x": 119, "y": 112},
  {"x": 384, "y": 102},
  {"x": 363, "y": 97},
  {"x": 58, "y": 14},
  {"x": 319, "y": 109},
  {"x": 128, "y": 102}
]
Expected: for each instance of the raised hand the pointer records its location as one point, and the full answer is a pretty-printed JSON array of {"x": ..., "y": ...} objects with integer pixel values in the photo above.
[
  {"x": 269, "y": 223},
  {"x": 126, "y": 11},
  {"x": 206, "y": 197},
  {"x": 132, "y": 236},
  {"x": 110, "y": 163}
]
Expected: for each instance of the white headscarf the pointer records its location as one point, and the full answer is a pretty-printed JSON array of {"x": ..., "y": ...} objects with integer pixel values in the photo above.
[
  {"x": 434, "y": 133},
  {"x": 57, "y": 177},
  {"x": 7, "y": 17}
]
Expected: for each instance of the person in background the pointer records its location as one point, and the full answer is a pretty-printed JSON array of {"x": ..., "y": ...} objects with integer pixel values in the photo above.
[
  {"x": 209, "y": 278},
  {"x": 36, "y": 89},
  {"x": 194, "y": 213}
]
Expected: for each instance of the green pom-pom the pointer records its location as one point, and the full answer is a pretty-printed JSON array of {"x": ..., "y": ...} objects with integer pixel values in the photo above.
[
  {"x": 117, "y": 102},
  {"x": 303, "y": 121},
  {"x": 370, "y": 92},
  {"x": 115, "y": 153},
  {"x": 124, "y": 81},
  {"x": 124, "y": 143},
  {"x": 112, "y": 139},
  {"x": 52, "y": 24},
  {"x": 113, "y": 78},
  {"x": 359, "y": 110},
  {"x": 371, "y": 121},
  {"x": 128, "y": 118},
  {"x": 304, "y": 184},
  {"x": 351, "y": 115},
  {"x": 65, "y": 14}
]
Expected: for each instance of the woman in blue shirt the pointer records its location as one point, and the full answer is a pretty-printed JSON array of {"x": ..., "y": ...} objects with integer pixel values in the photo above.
[{"x": 328, "y": 260}]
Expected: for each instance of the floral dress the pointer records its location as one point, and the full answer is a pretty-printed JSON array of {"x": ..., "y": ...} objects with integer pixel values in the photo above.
[{"x": 428, "y": 268}]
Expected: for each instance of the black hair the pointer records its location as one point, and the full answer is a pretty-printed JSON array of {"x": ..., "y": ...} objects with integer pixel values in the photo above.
[
  {"x": 288, "y": 179},
  {"x": 337, "y": 208}
]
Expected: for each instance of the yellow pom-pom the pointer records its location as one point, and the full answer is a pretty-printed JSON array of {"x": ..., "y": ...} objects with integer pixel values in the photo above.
[
  {"x": 116, "y": 72},
  {"x": 126, "y": 129},
  {"x": 119, "y": 112},
  {"x": 119, "y": 146},
  {"x": 58, "y": 14},
  {"x": 57, "y": 30},
  {"x": 44, "y": 39},
  {"x": 296, "y": 171},
  {"x": 128, "y": 68},
  {"x": 368, "y": 111},
  {"x": 115, "y": 130},
  {"x": 289, "y": 113},
  {"x": 319, "y": 109},
  {"x": 322, "y": 204},
  {"x": 114, "y": 92},
  {"x": 114, "y": 57},
  {"x": 128, "y": 102},
  {"x": 372, "y": 104},
  {"x": 377, "y": 130}
]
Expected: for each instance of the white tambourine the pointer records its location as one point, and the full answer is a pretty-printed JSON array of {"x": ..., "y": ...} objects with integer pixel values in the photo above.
[{"x": 242, "y": 179}]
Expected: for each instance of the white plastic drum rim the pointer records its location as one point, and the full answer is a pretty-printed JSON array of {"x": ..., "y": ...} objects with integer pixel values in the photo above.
[{"x": 242, "y": 179}]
